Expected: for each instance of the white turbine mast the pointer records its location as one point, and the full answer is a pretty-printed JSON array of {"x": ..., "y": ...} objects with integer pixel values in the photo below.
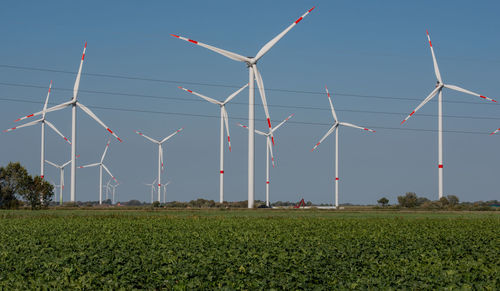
[
  {"x": 335, "y": 127},
  {"x": 438, "y": 90},
  {"x": 101, "y": 166},
  {"x": 251, "y": 63},
  {"x": 41, "y": 121},
  {"x": 223, "y": 121},
  {"x": 73, "y": 103},
  {"x": 61, "y": 177},
  {"x": 160, "y": 156},
  {"x": 269, "y": 151}
]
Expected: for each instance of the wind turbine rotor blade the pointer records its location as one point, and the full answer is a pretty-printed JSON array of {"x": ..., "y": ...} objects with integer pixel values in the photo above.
[
  {"x": 427, "y": 99},
  {"x": 270, "y": 146},
  {"x": 77, "y": 81},
  {"x": 202, "y": 96},
  {"x": 355, "y": 126},
  {"x": 331, "y": 104},
  {"x": 283, "y": 122},
  {"x": 54, "y": 108},
  {"x": 57, "y": 131},
  {"x": 53, "y": 164},
  {"x": 107, "y": 170},
  {"x": 456, "y": 88},
  {"x": 147, "y": 137},
  {"x": 436, "y": 68},
  {"x": 105, "y": 150},
  {"x": 228, "y": 54},
  {"x": 168, "y": 137},
  {"x": 234, "y": 94},
  {"x": 261, "y": 132},
  {"x": 226, "y": 121},
  {"x": 24, "y": 125},
  {"x": 91, "y": 114},
  {"x": 332, "y": 129},
  {"x": 273, "y": 41},
  {"x": 495, "y": 131},
  {"x": 46, "y": 101},
  {"x": 262, "y": 92},
  {"x": 89, "y": 165},
  {"x": 161, "y": 158}
]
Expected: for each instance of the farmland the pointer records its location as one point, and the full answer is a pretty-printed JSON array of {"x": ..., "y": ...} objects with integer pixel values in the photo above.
[{"x": 248, "y": 249}]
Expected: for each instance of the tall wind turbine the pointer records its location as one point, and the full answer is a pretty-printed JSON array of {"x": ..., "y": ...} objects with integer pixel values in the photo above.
[
  {"x": 153, "y": 184},
  {"x": 223, "y": 119},
  {"x": 269, "y": 150},
  {"x": 73, "y": 103},
  {"x": 42, "y": 121},
  {"x": 61, "y": 177},
  {"x": 251, "y": 63},
  {"x": 160, "y": 156},
  {"x": 438, "y": 90},
  {"x": 101, "y": 166},
  {"x": 336, "y": 126}
]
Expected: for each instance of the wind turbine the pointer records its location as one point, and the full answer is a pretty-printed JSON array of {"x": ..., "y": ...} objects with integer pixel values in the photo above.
[
  {"x": 61, "y": 177},
  {"x": 113, "y": 192},
  {"x": 336, "y": 126},
  {"x": 42, "y": 121},
  {"x": 165, "y": 191},
  {"x": 251, "y": 63},
  {"x": 73, "y": 103},
  {"x": 269, "y": 150},
  {"x": 223, "y": 119},
  {"x": 101, "y": 166},
  {"x": 438, "y": 90},
  {"x": 160, "y": 155},
  {"x": 153, "y": 184}
]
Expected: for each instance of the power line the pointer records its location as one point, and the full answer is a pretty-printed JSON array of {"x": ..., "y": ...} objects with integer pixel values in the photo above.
[
  {"x": 245, "y": 118},
  {"x": 177, "y": 82},
  {"x": 242, "y": 103}
]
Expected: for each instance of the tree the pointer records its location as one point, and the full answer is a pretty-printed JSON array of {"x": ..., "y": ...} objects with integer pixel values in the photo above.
[
  {"x": 383, "y": 201},
  {"x": 409, "y": 200},
  {"x": 134, "y": 203},
  {"x": 13, "y": 180},
  {"x": 453, "y": 200},
  {"x": 444, "y": 201},
  {"x": 37, "y": 192}
]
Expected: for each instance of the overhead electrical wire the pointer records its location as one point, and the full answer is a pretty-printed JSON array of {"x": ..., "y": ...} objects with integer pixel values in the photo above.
[{"x": 245, "y": 118}]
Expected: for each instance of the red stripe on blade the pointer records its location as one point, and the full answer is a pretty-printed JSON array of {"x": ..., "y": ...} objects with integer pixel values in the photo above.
[
  {"x": 110, "y": 130},
  {"x": 31, "y": 115},
  {"x": 298, "y": 20},
  {"x": 174, "y": 35},
  {"x": 440, "y": 166},
  {"x": 193, "y": 41},
  {"x": 269, "y": 122},
  {"x": 267, "y": 182},
  {"x": 336, "y": 179},
  {"x": 222, "y": 172}
]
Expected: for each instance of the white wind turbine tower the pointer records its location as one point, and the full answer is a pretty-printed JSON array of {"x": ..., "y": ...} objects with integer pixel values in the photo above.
[
  {"x": 101, "y": 166},
  {"x": 153, "y": 184},
  {"x": 160, "y": 156},
  {"x": 269, "y": 151},
  {"x": 336, "y": 126},
  {"x": 438, "y": 90},
  {"x": 113, "y": 192},
  {"x": 251, "y": 63},
  {"x": 223, "y": 119},
  {"x": 73, "y": 103},
  {"x": 61, "y": 177},
  {"x": 165, "y": 191},
  {"x": 41, "y": 121}
]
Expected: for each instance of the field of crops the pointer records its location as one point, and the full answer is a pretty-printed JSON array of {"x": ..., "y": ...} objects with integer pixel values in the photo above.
[{"x": 248, "y": 250}]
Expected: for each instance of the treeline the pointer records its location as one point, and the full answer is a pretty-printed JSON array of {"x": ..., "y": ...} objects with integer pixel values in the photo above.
[
  {"x": 19, "y": 189},
  {"x": 449, "y": 202}
]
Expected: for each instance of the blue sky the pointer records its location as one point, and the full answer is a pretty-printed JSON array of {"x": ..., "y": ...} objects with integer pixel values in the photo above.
[{"x": 373, "y": 55}]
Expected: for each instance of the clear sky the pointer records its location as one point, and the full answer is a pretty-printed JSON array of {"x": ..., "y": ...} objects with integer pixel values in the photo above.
[{"x": 373, "y": 55}]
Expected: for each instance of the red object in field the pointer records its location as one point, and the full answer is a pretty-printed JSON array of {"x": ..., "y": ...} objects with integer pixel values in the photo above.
[{"x": 301, "y": 203}]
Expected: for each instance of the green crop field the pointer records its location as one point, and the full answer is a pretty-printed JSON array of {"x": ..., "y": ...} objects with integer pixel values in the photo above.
[{"x": 259, "y": 249}]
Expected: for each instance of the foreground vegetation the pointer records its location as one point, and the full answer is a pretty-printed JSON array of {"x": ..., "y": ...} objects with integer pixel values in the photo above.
[{"x": 252, "y": 249}]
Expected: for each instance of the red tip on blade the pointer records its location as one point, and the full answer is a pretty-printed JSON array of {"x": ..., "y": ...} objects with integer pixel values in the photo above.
[
  {"x": 426, "y": 31},
  {"x": 374, "y": 131},
  {"x": 228, "y": 139},
  {"x": 65, "y": 139},
  {"x": 193, "y": 41},
  {"x": 174, "y": 35},
  {"x": 110, "y": 130},
  {"x": 311, "y": 9},
  {"x": 17, "y": 120},
  {"x": 229, "y": 148},
  {"x": 403, "y": 121},
  {"x": 430, "y": 43},
  {"x": 189, "y": 91},
  {"x": 298, "y": 20},
  {"x": 222, "y": 172},
  {"x": 31, "y": 115},
  {"x": 269, "y": 122},
  {"x": 120, "y": 139},
  {"x": 180, "y": 87},
  {"x": 413, "y": 112},
  {"x": 81, "y": 167},
  {"x": 85, "y": 45},
  {"x": 272, "y": 139},
  {"x": 440, "y": 166}
]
